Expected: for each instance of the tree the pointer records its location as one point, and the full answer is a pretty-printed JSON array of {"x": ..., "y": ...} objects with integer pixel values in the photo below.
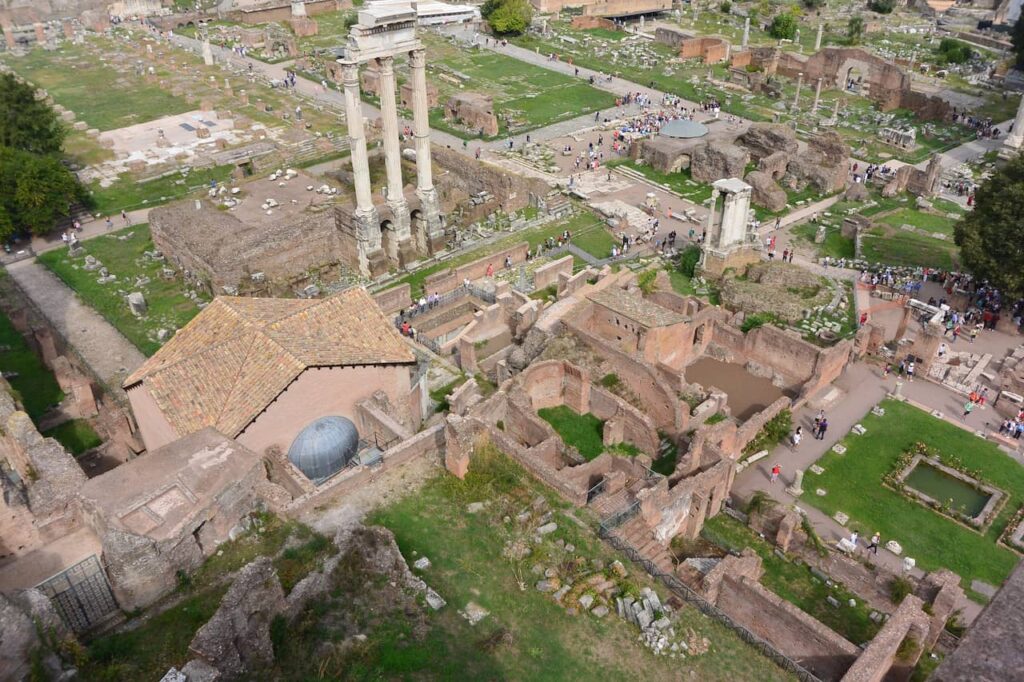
[
  {"x": 990, "y": 236},
  {"x": 783, "y": 27},
  {"x": 855, "y": 29},
  {"x": 814, "y": 4},
  {"x": 882, "y": 6},
  {"x": 35, "y": 191},
  {"x": 954, "y": 52},
  {"x": 1017, "y": 38},
  {"x": 25, "y": 122},
  {"x": 509, "y": 17}
]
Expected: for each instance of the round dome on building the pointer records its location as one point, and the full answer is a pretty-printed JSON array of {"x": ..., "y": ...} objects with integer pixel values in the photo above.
[
  {"x": 324, "y": 447},
  {"x": 684, "y": 129}
]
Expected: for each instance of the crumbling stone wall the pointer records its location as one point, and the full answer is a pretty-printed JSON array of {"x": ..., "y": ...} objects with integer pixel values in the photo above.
[
  {"x": 443, "y": 282},
  {"x": 709, "y": 50},
  {"x": 474, "y": 110},
  {"x": 467, "y": 177},
  {"x": 878, "y": 658}
]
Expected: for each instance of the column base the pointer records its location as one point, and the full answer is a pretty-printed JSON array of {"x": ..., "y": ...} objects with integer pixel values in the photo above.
[
  {"x": 430, "y": 238},
  {"x": 367, "y": 226},
  {"x": 377, "y": 264},
  {"x": 407, "y": 252}
]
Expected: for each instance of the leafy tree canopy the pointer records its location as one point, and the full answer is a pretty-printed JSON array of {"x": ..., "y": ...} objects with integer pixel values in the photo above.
[
  {"x": 35, "y": 192},
  {"x": 26, "y": 123},
  {"x": 508, "y": 17},
  {"x": 882, "y": 6},
  {"x": 855, "y": 29},
  {"x": 783, "y": 27},
  {"x": 1017, "y": 38},
  {"x": 991, "y": 237}
]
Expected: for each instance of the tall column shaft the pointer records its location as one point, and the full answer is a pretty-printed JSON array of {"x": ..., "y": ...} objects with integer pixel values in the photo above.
[
  {"x": 817, "y": 40},
  {"x": 817, "y": 97},
  {"x": 421, "y": 120},
  {"x": 389, "y": 118},
  {"x": 357, "y": 138},
  {"x": 710, "y": 236},
  {"x": 746, "y": 31},
  {"x": 1018, "y": 121},
  {"x": 799, "y": 82}
]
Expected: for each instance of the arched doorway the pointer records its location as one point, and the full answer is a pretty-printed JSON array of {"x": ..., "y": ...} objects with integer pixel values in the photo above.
[
  {"x": 419, "y": 230},
  {"x": 388, "y": 240}
]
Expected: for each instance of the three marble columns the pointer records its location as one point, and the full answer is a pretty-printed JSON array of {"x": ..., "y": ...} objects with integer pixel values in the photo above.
[{"x": 399, "y": 242}]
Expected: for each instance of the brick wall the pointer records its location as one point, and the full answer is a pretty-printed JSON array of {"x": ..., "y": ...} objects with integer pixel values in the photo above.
[
  {"x": 393, "y": 300},
  {"x": 546, "y": 275},
  {"x": 443, "y": 282}
]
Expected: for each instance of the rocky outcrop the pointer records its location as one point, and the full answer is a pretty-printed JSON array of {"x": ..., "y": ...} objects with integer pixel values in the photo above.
[
  {"x": 23, "y": 617},
  {"x": 766, "y": 192},
  {"x": 237, "y": 638},
  {"x": 715, "y": 162},
  {"x": 532, "y": 346},
  {"x": 823, "y": 165},
  {"x": 856, "y": 192},
  {"x": 765, "y": 139}
]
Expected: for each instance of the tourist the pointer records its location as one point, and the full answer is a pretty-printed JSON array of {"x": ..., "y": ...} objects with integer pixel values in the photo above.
[
  {"x": 854, "y": 536},
  {"x": 124, "y": 217},
  {"x": 822, "y": 428},
  {"x": 490, "y": 270},
  {"x": 942, "y": 350},
  {"x": 797, "y": 436},
  {"x": 968, "y": 408},
  {"x": 875, "y": 539},
  {"x": 776, "y": 470},
  {"x": 910, "y": 371}
]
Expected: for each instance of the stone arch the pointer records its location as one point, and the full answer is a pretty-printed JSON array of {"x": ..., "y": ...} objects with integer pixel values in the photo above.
[
  {"x": 388, "y": 238},
  {"x": 418, "y": 223},
  {"x": 855, "y": 76}
]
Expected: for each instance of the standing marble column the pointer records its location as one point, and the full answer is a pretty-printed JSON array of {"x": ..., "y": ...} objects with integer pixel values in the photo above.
[
  {"x": 817, "y": 40},
  {"x": 817, "y": 97},
  {"x": 746, "y": 32},
  {"x": 709, "y": 227},
  {"x": 392, "y": 156},
  {"x": 430, "y": 238},
  {"x": 207, "y": 52},
  {"x": 1016, "y": 137},
  {"x": 367, "y": 226},
  {"x": 799, "y": 83},
  {"x": 835, "y": 113}
]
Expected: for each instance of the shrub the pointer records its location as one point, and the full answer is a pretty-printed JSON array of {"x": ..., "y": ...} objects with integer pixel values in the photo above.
[
  {"x": 610, "y": 380},
  {"x": 954, "y": 52},
  {"x": 725, "y": 7},
  {"x": 688, "y": 260},
  {"x": 882, "y": 6},
  {"x": 899, "y": 588},
  {"x": 509, "y": 17},
  {"x": 646, "y": 281},
  {"x": 855, "y": 29},
  {"x": 783, "y": 27},
  {"x": 772, "y": 433},
  {"x": 756, "y": 320},
  {"x": 760, "y": 502}
]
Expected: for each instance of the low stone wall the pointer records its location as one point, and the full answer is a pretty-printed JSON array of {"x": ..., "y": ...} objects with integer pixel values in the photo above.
[
  {"x": 393, "y": 300},
  {"x": 443, "y": 282},
  {"x": 787, "y": 628},
  {"x": 549, "y": 274},
  {"x": 429, "y": 442},
  {"x": 880, "y": 655},
  {"x": 710, "y": 50}
]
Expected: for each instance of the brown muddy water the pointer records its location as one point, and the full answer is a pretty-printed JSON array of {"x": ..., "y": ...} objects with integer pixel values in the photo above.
[{"x": 747, "y": 393}]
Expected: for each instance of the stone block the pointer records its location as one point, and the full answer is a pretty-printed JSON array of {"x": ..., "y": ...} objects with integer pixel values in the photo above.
[
  {"x": 839, "y": 449},
  {"x": 137, "y": 303},
  {"x": 894, "y": 547},
  {"x": 859, "y": 429},
  {"x": 841, "y": 518}
]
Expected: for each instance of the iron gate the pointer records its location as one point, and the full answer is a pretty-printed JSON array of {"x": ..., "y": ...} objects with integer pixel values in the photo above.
[{"x": 81, "y": 594}]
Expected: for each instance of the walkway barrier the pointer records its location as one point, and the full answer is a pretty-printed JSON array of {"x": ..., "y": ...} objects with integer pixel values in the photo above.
[{"x": 682, "y": 591}]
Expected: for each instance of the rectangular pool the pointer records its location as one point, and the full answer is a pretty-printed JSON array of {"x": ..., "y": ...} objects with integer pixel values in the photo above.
[{"x": 942, "y": 487}]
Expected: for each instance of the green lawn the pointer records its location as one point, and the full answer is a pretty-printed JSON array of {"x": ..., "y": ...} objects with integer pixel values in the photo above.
[
  {"x": 129, "y": 194},
  {"x": 893, "y": 246},
  {"x": 76, "y": 436},
  {"x": 585, "y": 432},
  {"x": 929, "y": 222},
  {"x": 595, "y": 239},
  {"x": 100, "y": 95},
  {"x": 854, "y": 485},
  {"x": 794, "y": 582},
  {"x": 541, "y": 640},
  {"x": 835, "y": 244},
  {"x": 168, "y": 307},
  {"x": 34, "y": 384},
  {"x": 532, "y": 95}
]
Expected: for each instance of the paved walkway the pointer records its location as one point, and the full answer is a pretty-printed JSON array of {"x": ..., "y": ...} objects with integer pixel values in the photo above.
[{"x": 109, "y": 354}]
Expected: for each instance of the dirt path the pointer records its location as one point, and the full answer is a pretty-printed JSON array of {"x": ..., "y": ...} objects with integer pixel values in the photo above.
[{"x": 109, "y": 354}]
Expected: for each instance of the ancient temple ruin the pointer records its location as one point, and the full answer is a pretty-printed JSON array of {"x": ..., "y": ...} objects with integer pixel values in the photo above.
[{"x": 728, "y": 243}]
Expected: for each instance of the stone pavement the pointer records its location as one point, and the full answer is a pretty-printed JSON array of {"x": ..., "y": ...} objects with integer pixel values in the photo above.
[{"x": 109, "y": 354}]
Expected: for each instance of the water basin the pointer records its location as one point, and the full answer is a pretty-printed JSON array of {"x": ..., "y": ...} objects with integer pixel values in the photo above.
[{"x": 942, "y": 487}]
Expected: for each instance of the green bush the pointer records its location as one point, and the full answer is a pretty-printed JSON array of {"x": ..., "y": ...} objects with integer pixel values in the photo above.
[
  {"x": 783, "y": 27},
  {"x": 899, "y": 588},
  {"x": 725, "y": 7},
  {"x": 758, "y": 319},
  {"x": 610, "y": 380},
  {"x": 688, "y": 260},
  {"x": 954, "y": 52},
  {"x": 646, "y": 281},
  {"x": 771, "y": 434},
  {"x": 882, "y": 6}
]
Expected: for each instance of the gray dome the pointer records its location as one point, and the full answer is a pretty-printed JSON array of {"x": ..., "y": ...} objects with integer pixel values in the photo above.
[
  {"x": 682, "y": 128},
  {"x": 324, "y": 447}
]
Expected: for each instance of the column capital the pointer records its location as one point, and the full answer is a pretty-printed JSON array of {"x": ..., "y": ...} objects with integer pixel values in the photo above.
[
  {"x": 418, "y": 58},
  {"x": 387, "y": 65},
  {"x": 349, "y": 73}
]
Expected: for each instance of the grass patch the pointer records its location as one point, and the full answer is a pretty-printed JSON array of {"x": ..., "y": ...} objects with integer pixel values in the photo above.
[
  {"x": 128, "y": 193},
  {"x": 35, "y": 386},
  {"x": 771, "y": 434},
  {"x": 538, "y": 640},
  {"x": 795, "y": 583},
  {"x": 76, "y": 436},
  {"x": 96, "y": 92},
  {"x": 585, "y": 432},
  {"x": 168, "y": 307},
  {"x": 854, "y": 484},
  {"x": 893, "y": 246},
  {"x": 835, "y": 244},
  {"x": 440, "y": 394},
  {"x": 595, "y": 240},
  {"x": 681, "y": 183},
  {"x": 929, "y": 222}
]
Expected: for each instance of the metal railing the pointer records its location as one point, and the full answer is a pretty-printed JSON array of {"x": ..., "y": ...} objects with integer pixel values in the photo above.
[
  {"x": 689, "y": 596},
  {"x": 462, "y": 291}
]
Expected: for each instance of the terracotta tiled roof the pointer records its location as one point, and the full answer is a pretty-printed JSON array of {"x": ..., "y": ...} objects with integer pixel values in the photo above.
[{"x": 226, "y": 365}]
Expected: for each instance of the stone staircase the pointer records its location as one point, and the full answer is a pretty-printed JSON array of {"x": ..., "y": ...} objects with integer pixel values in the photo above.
[{"x": 637, "y": 535}]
